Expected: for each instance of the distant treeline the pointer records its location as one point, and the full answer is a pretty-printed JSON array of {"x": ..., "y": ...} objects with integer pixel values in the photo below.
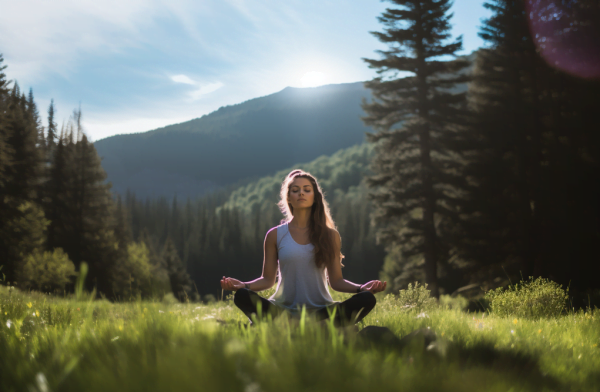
[{"x": 57, "y": 212}]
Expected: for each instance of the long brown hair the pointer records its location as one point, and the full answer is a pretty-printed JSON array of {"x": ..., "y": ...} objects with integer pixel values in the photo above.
[{"x": 321, "y": 227}]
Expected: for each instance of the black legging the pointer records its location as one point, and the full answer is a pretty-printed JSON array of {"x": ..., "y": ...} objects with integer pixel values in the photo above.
[{"x": 350, "y": 311}]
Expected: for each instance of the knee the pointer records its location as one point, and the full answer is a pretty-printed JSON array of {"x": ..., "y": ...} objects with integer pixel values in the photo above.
[
  {"x": 241, "y": 296},
  {"x": 369, "y": 299}
]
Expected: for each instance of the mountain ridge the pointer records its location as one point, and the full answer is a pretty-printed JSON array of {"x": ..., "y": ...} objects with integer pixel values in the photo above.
[{"x": 249, "y": 139}]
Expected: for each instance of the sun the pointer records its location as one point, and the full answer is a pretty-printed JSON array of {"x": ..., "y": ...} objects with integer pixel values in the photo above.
[{"x": 313, "y": 79}]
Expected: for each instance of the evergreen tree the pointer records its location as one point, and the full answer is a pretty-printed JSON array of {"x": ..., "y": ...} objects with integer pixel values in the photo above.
[
  {"x": 6, "y": 151},
  {"x": 181, "y": 284},
  {"x": 21, "y": 163},
  {"x": 52, "y": 130},
  {"x": 509, "y": 205},
  {"x": 57, "y": 191},
  {"x": 416, "y": 170},
  {"x": 34, "y": 114},
  {"x": 82, "y": 208},
  {"x": 531, "y": 208}
]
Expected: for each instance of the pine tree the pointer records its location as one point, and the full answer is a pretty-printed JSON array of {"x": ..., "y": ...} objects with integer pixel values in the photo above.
[
  {"x": 6, "y": 152},
  {"x": 52, "y": 130},
  {"x": 181, "y": 283},
  {"x": 82, "y": 208},
  {"x": 21, "y": 175},
  {"x": 533, "y": 184},
  {"x": 507, "y": 173},
  {"x": 415, "y": 168}
]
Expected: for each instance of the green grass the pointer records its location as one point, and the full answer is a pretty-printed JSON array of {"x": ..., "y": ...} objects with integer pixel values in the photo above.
[{"x": 56, "y": 344}]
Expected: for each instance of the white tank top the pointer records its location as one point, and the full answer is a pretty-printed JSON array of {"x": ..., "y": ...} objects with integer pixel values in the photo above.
[{"x": 300, "y": 281}]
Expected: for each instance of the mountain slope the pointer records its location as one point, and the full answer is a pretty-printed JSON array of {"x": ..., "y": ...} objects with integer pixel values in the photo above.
[{"x": 234, "y": 143}]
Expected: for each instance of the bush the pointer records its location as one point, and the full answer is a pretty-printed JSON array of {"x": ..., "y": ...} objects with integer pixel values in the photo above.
[
  {"x": 448, "y": 302},
  {"x": 416, "y": 297},
  {"x": 47, "y": 271},
  {"x": 528, "y": 299}
]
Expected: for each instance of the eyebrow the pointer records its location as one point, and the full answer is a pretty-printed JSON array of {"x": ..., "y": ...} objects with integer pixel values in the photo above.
[{"x": 298, "y": 186}]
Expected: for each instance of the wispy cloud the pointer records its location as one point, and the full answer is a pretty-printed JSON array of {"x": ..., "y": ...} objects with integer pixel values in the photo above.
[
  {"x": 202, "y": 89},
  {"x": 182, "y": 79},
  {"x": 206, "y": 89}
]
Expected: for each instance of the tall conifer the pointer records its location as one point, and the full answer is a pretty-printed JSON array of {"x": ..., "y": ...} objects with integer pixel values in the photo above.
[
  {"x": 51, "y": 135},
  {"x": 84, "y": 210},
  {"x": 415, "y": 165}
]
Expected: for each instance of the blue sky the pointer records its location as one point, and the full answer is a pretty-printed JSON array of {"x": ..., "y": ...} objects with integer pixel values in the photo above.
[{"x": 136, "y": 65}]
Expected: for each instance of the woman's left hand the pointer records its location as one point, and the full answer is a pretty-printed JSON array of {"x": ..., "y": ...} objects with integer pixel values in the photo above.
[
  {"x": 231, "y": 284},
  {"x": 374, "y": 286}
]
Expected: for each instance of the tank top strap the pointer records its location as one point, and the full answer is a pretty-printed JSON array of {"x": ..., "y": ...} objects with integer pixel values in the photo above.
[{"x": 282, "y": 231}]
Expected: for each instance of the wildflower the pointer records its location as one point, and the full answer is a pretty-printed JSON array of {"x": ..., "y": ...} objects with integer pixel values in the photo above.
[
  {"x": 37, "y": 313},
  {"x": 539, "y": 331},
  {"x": 78, "y": 309},
  {"x": 29, "y": 305},
  {"x": 120, "y": 327},
  {"x": 512, "y": 331},
  {"x": 42, "y": 383},
  {"x": 515, "y": 321},
  {"x": 115, "y": 338},
  {"x": 8, "y": 323}
]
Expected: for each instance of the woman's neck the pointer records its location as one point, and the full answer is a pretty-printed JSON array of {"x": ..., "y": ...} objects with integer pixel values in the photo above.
[{"x": 301, "y": 218}]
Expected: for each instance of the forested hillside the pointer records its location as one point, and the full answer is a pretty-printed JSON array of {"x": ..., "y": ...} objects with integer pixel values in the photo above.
[
  {"x": 223, "y": 234},
  {"x": 247, "y": 140}
]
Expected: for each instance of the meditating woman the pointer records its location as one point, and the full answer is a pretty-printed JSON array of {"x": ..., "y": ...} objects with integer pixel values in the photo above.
[{"x": 307, "y": 248}]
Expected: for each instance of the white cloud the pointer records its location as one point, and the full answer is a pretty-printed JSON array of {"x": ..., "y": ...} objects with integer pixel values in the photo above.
[
  {"x": 40, "y": 36},
  {"x": 202, "y": 89},
  {"x": 182, "y": 79}
]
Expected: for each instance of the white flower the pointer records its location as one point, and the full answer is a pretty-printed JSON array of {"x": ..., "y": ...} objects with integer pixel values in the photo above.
[
  {"x": 42, "y": 383},
  {"x": 422, "y": 315},
  {"x": 8, "y": 323},
  {"x": 115, "y": 338}
]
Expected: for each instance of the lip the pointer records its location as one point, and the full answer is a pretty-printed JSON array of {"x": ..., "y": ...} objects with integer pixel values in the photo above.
[{"x": 301, "y": 199}]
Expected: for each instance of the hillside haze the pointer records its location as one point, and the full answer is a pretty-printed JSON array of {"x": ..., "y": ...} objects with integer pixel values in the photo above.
[{"x": 247, "y": 140}]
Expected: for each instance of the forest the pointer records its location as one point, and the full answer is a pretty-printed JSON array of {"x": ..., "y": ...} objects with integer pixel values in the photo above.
[{"x": 459, "y": 188}]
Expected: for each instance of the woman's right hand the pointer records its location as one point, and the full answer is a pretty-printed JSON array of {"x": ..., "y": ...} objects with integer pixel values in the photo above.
[
  {"x": 374, "y": 286},
  {"x": 231, "y": 284}
]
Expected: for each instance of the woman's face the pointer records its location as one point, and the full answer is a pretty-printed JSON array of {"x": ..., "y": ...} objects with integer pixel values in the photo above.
[{"x": 301, "y": 194}]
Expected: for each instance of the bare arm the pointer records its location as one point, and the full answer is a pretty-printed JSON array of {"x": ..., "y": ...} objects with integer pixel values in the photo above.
[
  {"x": 267, "y": 280},
  {"x": 337, "y": 281}
]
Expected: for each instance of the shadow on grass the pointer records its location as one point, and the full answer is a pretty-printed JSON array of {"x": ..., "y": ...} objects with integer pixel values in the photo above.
[{"x": 425, "y": 343}]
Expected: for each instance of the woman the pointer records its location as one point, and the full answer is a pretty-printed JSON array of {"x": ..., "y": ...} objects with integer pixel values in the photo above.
[{"x": 308, "y": 248}]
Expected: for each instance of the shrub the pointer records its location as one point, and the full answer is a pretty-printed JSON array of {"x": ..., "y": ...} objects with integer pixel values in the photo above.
[
  {"x": 47, "y": 271},
  {"x": 416, "y": 297},
  {"x": 448, "y": 302},
  {"x": 528, "y": 299}
]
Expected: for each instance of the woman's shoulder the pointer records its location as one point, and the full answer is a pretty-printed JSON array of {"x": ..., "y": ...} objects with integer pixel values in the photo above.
[{"x": 272, "y": 232}]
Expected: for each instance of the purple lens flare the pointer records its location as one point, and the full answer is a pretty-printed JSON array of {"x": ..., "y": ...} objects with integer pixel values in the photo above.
[{"x": 567, "y": 34}]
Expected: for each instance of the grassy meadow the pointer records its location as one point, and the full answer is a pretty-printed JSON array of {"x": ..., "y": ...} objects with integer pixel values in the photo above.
[{"x": 62, "y": 344}]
